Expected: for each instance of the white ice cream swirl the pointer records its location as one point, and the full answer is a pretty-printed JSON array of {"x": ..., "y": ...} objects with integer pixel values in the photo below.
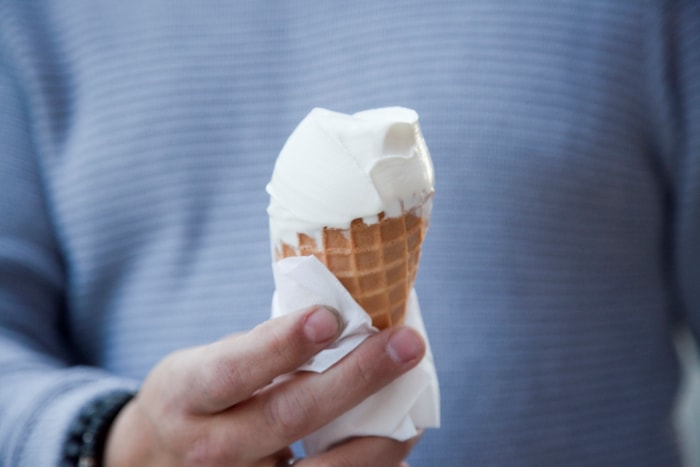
[{"x": 337, "y": 167}]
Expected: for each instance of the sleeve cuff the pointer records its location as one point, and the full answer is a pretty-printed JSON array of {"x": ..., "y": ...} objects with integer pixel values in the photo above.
[{"x": 46, "y": 426}]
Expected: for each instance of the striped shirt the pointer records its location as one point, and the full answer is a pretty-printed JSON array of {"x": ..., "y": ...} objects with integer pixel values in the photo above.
[{"x": 136, "y": 139}]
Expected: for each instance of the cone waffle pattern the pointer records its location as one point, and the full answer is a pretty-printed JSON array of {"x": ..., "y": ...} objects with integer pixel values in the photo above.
[{"x": 376, "y": 263}]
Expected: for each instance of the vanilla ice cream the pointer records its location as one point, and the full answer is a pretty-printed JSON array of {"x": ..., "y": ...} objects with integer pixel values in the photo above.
[{"x": 335, "y": 168}]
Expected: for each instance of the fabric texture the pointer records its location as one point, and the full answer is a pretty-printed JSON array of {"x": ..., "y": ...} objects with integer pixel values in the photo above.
[{"x": 136, "y": 139}]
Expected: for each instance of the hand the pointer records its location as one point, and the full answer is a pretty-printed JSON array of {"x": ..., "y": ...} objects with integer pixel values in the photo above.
[{"x": 224, "y": 404}]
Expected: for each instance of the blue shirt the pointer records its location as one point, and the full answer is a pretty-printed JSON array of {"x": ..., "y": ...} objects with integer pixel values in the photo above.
[{"x": 136, "y": 139}]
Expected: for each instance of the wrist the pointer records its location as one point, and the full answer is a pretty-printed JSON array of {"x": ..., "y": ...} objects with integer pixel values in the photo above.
[{"x": 130, "y": 439}]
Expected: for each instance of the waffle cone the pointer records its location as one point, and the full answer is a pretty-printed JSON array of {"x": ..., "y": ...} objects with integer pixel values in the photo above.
[{"x": 376, "y": 263}]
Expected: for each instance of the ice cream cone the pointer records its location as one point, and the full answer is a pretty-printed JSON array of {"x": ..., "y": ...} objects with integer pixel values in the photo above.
[
  {"x": 376, "y": 262},
  {"x": 356, "y": 192}
]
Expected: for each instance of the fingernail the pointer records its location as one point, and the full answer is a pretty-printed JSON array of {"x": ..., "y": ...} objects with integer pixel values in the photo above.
[
  {"x": 321, "y": 325},
  {"x": 405, "y": 345}
]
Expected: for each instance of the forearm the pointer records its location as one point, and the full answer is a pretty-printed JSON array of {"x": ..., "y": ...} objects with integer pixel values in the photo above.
[{"x": 39, "y": 401}]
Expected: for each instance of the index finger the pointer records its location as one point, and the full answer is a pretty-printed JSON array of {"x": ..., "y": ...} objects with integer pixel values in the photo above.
[{"x": 229, "y": 371}]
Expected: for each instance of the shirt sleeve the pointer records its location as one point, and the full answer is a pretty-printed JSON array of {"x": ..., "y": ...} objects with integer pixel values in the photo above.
[{"x": 41, "y": 389}]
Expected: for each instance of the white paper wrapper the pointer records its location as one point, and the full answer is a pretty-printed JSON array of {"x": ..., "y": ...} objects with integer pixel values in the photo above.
[{"x": 399, "y": 409}]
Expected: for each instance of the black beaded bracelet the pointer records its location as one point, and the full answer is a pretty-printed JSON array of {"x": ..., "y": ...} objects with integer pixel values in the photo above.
[{"x": 86, "y": 436}]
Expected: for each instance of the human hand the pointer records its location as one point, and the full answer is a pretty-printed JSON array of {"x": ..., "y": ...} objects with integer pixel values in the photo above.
[{"x": 224, "y": 404}]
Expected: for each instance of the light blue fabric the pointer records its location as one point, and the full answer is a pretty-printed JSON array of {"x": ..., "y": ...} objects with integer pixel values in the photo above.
[{"x": 136, "y": 139}]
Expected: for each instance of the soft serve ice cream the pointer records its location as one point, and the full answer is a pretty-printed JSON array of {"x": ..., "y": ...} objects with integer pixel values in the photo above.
[
  {"x": 356, "y": 192},
  {"x": 335, "y": 168}
]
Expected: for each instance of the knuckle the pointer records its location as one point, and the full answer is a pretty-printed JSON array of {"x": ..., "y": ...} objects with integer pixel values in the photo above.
[
  {"x": 281, "y": 347},
  {"x": 217, "y": 378},
  {"x": 207, "y": 450},
  {"x": 194, "y": 444},
  {"x": 227, "y": 374},
  {"x": 365, "y": 372},
  {"x": 289, "y": 415}
]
